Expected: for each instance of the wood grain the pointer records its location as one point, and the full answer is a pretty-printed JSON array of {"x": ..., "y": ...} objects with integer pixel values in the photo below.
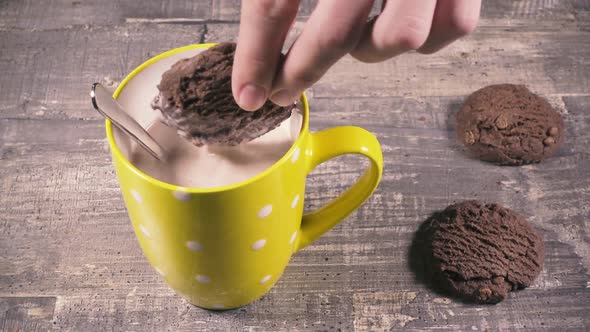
[
  {"x": 55, "y": 14},
  {"x": 68, "y": 257},
  {"x": 26, "y": 313},
  {"x": 47, "y": 74},
  {"x": 32, "y": 15},
  {"x": 541, "y": 59}
]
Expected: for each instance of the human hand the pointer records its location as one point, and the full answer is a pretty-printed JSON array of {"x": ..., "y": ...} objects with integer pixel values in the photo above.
[{"x": 334, "y": 29}]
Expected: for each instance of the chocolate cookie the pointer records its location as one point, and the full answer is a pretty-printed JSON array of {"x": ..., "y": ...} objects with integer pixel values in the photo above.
[
  {"x": 196, "y": 99},
  {"x": 480, "y": 252},
  {"x": 509, "y": 125}
]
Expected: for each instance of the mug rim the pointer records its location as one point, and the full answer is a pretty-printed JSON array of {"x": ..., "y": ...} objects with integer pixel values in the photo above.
[{"x": 117, "y": 154}]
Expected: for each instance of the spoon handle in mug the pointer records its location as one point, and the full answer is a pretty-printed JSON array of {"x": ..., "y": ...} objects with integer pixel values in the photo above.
[{"x": 106, "y": 105}]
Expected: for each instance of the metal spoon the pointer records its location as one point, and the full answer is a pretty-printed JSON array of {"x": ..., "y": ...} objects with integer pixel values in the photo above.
[{"x": 106, "y": 105}]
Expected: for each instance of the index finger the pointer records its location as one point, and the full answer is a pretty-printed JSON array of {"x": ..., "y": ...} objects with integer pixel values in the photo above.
[
  {"x": 333, "y": 30},
  {"x": 263, "y": 28}
]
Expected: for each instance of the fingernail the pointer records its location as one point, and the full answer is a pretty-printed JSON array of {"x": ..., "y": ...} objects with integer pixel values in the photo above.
[
  {"x": 252, "y": 97},
  {"x": 284, "y": 97}
]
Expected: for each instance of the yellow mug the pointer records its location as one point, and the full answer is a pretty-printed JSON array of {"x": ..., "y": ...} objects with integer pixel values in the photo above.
[{"x": 225, "y": 247}]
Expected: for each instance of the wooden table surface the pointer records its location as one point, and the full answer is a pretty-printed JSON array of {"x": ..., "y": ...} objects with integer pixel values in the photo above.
[{"x": 69, "y": 259}]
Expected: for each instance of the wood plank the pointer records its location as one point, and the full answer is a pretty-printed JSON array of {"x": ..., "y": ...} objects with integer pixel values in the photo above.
[
  {"x": 30, "y": 61},
  {"x": 32, "y": 15},
  {"x": 546, "y": 9},
  {"x": 466, "y": 65},
  {"x": 322, "y": 311},
  {"x": 48, "y": 74},
  {"x": 56, "y": 14},
  {"x": 386, "y": 311},
  {"x": 499, "y": 52},
  {"x": 26, "y": 313},
  {"x": 229, "y": 10}
]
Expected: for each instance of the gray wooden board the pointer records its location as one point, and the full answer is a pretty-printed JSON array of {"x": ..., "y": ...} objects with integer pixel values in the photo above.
[
  {"x": 27, "y": 313},
  {"x": 68, "y": 256},
  {"x": 47, "y": 73},
  {"x": 57, "y": 14}
]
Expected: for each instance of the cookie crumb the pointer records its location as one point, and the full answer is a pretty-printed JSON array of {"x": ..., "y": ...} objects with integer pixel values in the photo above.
[
  {"x": 501, "y": 122},
  {"x": 469, "y": 138},
  {"x": 498, "y": 280},
  {"x": 485, "y": 294}
]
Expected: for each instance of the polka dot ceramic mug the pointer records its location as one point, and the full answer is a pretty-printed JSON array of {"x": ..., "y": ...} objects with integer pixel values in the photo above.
[{"x": 225, "y": 247}]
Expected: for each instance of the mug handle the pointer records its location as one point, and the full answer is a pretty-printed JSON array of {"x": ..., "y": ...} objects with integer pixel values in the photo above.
[{"x": 325, "y": 145}]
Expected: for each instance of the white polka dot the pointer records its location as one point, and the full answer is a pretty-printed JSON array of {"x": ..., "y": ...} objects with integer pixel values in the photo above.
[
  {"x": 194, "y": 245},
  {"x": 218, "y": 306},
  {"x": 295, "y": 201},
  {"x": 265, "y": 279},
  {"x": 136, "y": 196},
  {"x": 160, "y": 272},
  {"x": 182, "y": 196},
  {"x": 259, "y": 244},
  {"x": 145, "y": 231},
  {"x": 202, "y": 278},
  {"x": 293, "y": 237},
  {"x": 265, "y": 211},
  {"x": 295, "y": 155}
]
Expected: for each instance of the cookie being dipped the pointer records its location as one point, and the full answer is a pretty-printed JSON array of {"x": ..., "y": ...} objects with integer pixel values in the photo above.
[{"x": 195, "y": 98}]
